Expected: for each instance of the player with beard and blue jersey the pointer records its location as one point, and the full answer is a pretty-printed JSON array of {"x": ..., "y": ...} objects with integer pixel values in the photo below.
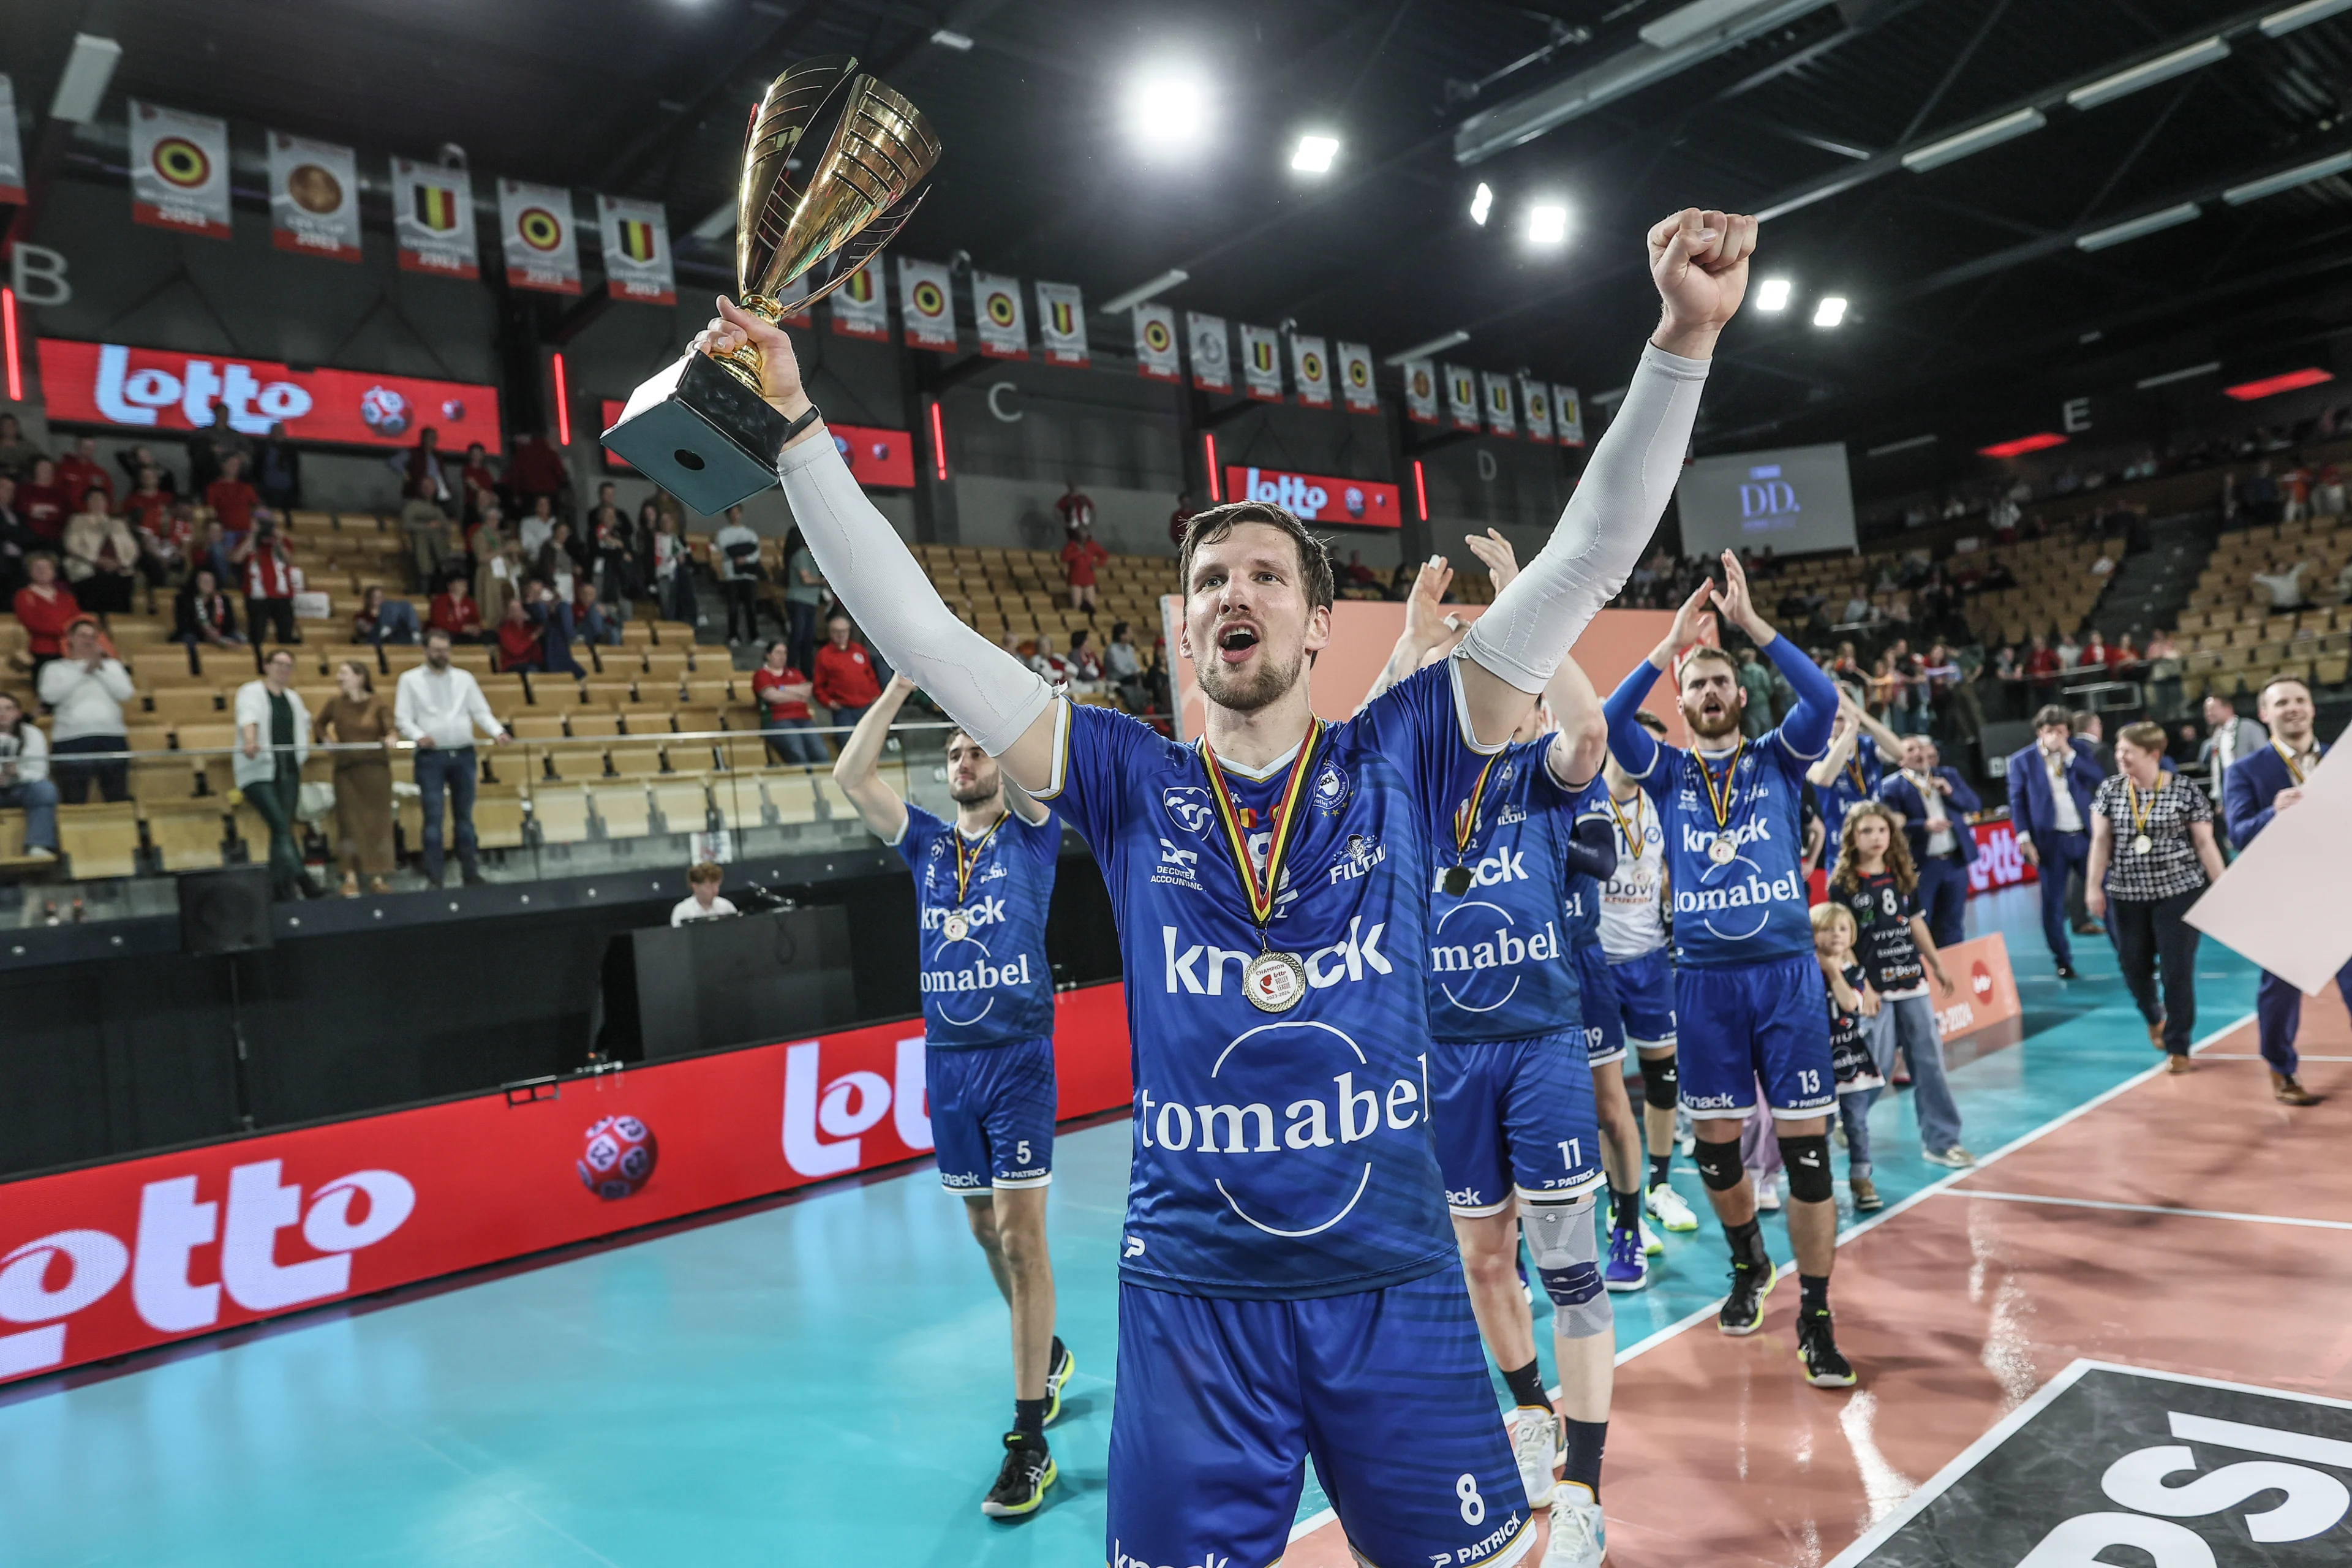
[
  {"x": 983, "y": 884},
  {"x": 1851, "y": 770},
  {"x": 1289, "y": 1284},
  {"x": 1747, "y": 989}
]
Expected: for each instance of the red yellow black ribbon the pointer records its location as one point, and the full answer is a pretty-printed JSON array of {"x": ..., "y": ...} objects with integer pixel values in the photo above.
[
  {"x": 967, "y": 863},
  {"x": 1261, "y": 893},
  {"x": 1632, "y": 834},
  {"x": 1466, "y": 814},
  {"x": 1718, "y": 798}
]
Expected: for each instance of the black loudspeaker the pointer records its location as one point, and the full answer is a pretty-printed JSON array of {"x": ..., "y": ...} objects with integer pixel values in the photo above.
[{"x": 226, "y": 911}]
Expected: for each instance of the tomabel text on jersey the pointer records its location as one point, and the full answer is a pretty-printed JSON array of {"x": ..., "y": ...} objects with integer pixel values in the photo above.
[{"x": 1198, "y": 969}]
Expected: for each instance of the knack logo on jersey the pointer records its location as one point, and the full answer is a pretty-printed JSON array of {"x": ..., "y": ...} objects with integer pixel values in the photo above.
[
  {"x": 986, "y": 910},
  {"x": 1198, "y": 969},
  {"x": 1505, "y": 865}
]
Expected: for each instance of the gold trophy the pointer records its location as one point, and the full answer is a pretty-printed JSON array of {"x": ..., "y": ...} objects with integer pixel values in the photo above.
[{"x": 700, "y": 428}]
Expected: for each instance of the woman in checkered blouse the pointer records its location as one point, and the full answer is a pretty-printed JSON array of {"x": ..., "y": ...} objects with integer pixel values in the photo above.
[{"x": 2152, "y": 853}]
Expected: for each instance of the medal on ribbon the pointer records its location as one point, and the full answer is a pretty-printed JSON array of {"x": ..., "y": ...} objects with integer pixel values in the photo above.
[
  {"x": 1459, "y": 877},
  {"x": 2141, "y": 843},
  {"x": 956, "y": 925},
  {"x": 1725, "y": 848},
  {"x": 1629, "y": 834},
  {"x": 1274, "y": 982}
]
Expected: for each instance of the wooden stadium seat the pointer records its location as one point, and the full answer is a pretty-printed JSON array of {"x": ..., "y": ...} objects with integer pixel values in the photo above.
[
  {"x": 187, "y": 835},
  {"x": 498, "y": 817},
  {"x": 673, "y": 634},
  {"x": 606, "y": 694},
  {"x": 624, "y": 809},
  {"x": 575, "y": 762},
  {"x": 738, "y": 799},
  {"x": 590, "y": 721},
  {"x": 179, "y": 705},
  {"x": 666, "y": 667},
  {"x": 536, "y": 726},
  {"x": 163, "y": 779},
  {"x": 683, "y": 804},
  {"x": 792, "y": 795},
  {"x": 504, "y": 693},
  {"x": 710, "y": 690},
  {"x": 559, "y": 813},
  {"x": 636, "y": 761},
  {"x": 99, "y": 840},
  {"x": 689, "y": 720},
  {"x": 834, "y": 799}
]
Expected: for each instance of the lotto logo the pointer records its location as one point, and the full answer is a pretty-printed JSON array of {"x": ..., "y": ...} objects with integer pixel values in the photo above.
[{"x": 847, "y": 1107}]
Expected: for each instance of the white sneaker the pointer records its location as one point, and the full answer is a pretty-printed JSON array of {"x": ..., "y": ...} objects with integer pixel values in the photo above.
[
  {"x": 1666, "y": 1206},
  {"x": 1534, "y": 1447},
  {"x": 1579, "y": 1537},
  {"x": 1651, "y": 1246},
  {"x": 1768, "y": 1191},
  {"x": 37, "y": 852}
]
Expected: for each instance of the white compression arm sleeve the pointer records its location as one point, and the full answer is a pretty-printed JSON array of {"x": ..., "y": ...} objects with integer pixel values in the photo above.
[
  {"x": 991, "y": 693},
  {"x": 1600, "y": 537}
]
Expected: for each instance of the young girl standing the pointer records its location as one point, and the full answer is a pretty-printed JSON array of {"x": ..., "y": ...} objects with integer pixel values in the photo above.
[
  {"x": 1853, "y": 1007},
  {"x": 1874, "y": 881}
]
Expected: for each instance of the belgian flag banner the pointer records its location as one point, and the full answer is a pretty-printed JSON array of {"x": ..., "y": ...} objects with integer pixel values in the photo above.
[{"x": 637, "y": 250}]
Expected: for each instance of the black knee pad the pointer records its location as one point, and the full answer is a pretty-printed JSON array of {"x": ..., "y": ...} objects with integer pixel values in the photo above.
[
  {"x": 1661, "y": 1084},
  {"x": 1808, "y": 1162},
  {"x": 1719, "y": 1166}
]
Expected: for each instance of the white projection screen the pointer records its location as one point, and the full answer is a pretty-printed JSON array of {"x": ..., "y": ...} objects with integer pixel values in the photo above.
[{"x": 1795, "y": 500}]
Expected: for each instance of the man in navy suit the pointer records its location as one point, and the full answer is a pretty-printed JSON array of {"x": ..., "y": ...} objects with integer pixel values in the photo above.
[
  {"x": 2050, "y": 783},
  {"x": 1935, "y": 801},
  {"x": 2259, "y": 785}
]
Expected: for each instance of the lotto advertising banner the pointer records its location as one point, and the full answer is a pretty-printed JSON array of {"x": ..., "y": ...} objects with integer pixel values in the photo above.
[
  {"x": 635, "y": 237},
  {"x": 542, "y": 251},
  {"x": 164, "y": 389},
  {"x": 314, "y": 197},
  {"x": 1318, "y": 497},
  {"x": 433, "y": 218},
  {"x": 115, "y": 1259},
  {"x": 1999, "y": 862},
  {"x": 179, "y": 171}
]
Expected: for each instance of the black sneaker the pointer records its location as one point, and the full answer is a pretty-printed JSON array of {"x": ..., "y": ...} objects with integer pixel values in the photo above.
[
  {"x": 1021, "y": 1485},
  {"x": 1824, "y": 1367},
  {"x": 1058, "y": 1373},
  {"x": 2066, "y": 971},
  {"x": 1743, "y": 1309}
]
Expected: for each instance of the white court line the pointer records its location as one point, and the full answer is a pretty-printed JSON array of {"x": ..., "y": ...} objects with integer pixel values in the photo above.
[
  {"x": 2149, "y": 1208},
  {"x": 2257, "y": 1056}
]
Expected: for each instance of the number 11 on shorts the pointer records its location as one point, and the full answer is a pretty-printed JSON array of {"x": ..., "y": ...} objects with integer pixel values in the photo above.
[{"x": 1571, "y": 1151}]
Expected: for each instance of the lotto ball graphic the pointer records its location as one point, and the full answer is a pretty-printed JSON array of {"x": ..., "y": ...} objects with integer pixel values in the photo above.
[
  {"x": 619, "y": 1157},
  {"x": 384, "y": 411},
  {"x": 452, "y": 410},
  {"x": 1355, "y": 501}
]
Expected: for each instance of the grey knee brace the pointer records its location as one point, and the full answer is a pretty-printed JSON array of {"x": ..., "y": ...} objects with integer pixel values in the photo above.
[
  {"x": 1568, "y": 1257},
  {"x": 1661, "y": 1084},
  {"x": 1808, "y": 1161}
]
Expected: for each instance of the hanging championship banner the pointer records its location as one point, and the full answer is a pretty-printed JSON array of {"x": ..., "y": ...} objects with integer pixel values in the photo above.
[
  {"x": 1212, "y": 360},
  {"x": 1535, "y": 400},
  {"x": 795, "y": 311},
  {"x": 1004, "y": 325},
  {"x": 12, "y": 152},
  {"x": 179, "y": 171},
  {"x": 1310, "y": 366},
  {"x": 1502, "y": 417},
  {"x": 1155, "y": 343},
  {"x": 433, "y": 218},
  {"x": 535, "y": 228},
  {"x": 1062, "y": 323},
  {"x": 859, "y": 308},
  {"x": 1262, "y": 363},
  {"x": 635, "y": 237},
  {"x": 1462, "y": 397},
  {"x": 1356, "y": 378},
  {"x": 1421, "y": 391},
  {"x": 314, "y": 197},
  {"x": 926, "y": 304},
  {"x": 1568, "y": 415}
]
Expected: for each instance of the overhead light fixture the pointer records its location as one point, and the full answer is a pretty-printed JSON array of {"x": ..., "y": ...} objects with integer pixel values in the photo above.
[
  {"x": 1168, "y": 110},
  {"x": 1423, "y": 350},
  {"x": 1772, "y": 294},
  {"x": 2147, "y": 73},
  {"x": 1830, "y": 311},
  {"x": 1991, "y": 133},
  {"x": 1680, "y": 27},
  {"x": 1547, "y": 224},
  {"x": 2288, "y": 179},
  {"x": 1892, "y": 448},
  {"x": 2170, "y": 217},
  {"x": 949, "y": 38},
  {"x": 2302, "y": 15},
  {"x": 2272, "y": 386},
  {"x": 1315, "y": 154},
  {"x": 2147, "y": 383},
  {"x": 1138, "y": 295},
  {"x": 1482, "y": 204},
  {"x": 2041, "y": 442},
  {"x": 89, "y": 69}
]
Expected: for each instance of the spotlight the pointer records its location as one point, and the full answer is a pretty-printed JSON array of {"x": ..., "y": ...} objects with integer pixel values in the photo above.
[
  {"x": 1481, "y": 205},
  {"x": 1772, "y": 294},
  {"x": 1169, "y": 110},
  {"x": 1315, "y": 154},
  {"x": 1546, "y": 225},
  {"x": 1830, "y": 311}
]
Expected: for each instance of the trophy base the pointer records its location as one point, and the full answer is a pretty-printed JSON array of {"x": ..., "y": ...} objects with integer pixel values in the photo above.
[{"x": 700, "y": 434}]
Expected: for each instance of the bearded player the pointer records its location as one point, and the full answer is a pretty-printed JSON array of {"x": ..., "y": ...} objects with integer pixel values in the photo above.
[
  {"x": 981, "y": 888},
  {"x": 1748, "y": 988},
  {"x": 1290, "y": 1285}
]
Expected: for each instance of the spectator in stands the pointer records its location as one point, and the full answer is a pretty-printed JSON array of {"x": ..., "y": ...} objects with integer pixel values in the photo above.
[
  {"x": 147, "y": 507},
  {"x": 380, "y": 620},
  {"x": 702, "y": 902},
  {"x": 2094, "y": 657},
  {"x": 1085, "y": 668},
  {"x": 1124, "y": 667},
  {"x": 536, "y": 469},
  {"x": 421, "y": 465},
  {"x": 735, "y": 562},
  {"x": 1756, "y": 717},
  {"x": 615, "y": 543},
  {"x": 1046, "y": 662},
  {"x": 438, "y": 706},
  {"x": 1400, "y": 582},
  {"x": 232, "y": 500},
  {"x": 557, "y": 562},
  {"x": 356, "y": 716},
  {"x": 673, "y": 584},
  {"x": 456, "y": 615},
  {"x": 499, "y": 566},
  {"x": 45, "y": 607},
  {"x": 538, "y": 525},
  {"x": 2152, "y": 855},
  {"x": 2229, "y": 741},
  {"x": 278, "y": 470},
  {"x": 132, "y": 460},
  {"x": 845, "y": 678},
  {"x": 270, "y": 581},
  {"x": 521, "y": 642},
  {"x": 202, "y": 615},
  {"x": 429, "y": 530},
  {"x": 783, "y": 693},
  {"x": 101, "y": 556},
  {"x": 43, "y": 503},
  {"x": 2283, "y": 583},
  {"x": 592, "y": 620},
  {"x": 16, "y": 453},
  {"x": 477, "y": 473},
  {"x": 2124, "y": 658},
  {"x": 16, "y": 540},
  {"x": 2344, "y": 583},
  {"x": 1077, "y": 511},
  {"x": 210, "y": 448},
  {"x": 25, "y": 778},
  {"x": 803, "y": 597},
  {"x": 1080, "y": 556},
  {"x": 273, "y": 740},
  {"x": 2259, "y": 495},
  {"x": 1181, "y": 520},
  {"x": 2069, "y": 652},
  {"x": 79, "y": 471},
  {"x": 2162, "y": 665},
  {"x": 85, "y": 689},
  {"x": 1158, "y": 683},
  {"x": 2041, "y": 667},
  {"x": 2327, "y": 495},
  {"x": 550, "y": 613}
]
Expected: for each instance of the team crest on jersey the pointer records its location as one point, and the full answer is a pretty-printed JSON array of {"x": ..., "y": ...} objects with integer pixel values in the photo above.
[
  {"x": 1190, "y": 806},
  {"x": 1331, "y": 789}
]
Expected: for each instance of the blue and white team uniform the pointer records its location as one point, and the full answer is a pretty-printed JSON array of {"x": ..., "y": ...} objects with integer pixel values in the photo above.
[
  {"x": 988, "y": 996},
  {"x": 1859, "y": 780},
  {"x": 1289, "y": 1281},
  {"x": 1512, "y": 1100},
  {"x": 1748, "y": 989},
  {"x": 1638, "y": 976},
  {"x": 1594, "y": 857}
]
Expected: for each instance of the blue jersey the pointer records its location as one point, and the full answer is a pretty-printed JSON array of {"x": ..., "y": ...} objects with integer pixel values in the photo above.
[
  {"x": 1751, "y": 909},
  {"x": 983, "y": 953},
  {"x": 1580, "y": 890},
  {"x": 1857, "y": 780},
  {"x": 1498, "y": 954},
  {"x": 1280, "y": 1155}
]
